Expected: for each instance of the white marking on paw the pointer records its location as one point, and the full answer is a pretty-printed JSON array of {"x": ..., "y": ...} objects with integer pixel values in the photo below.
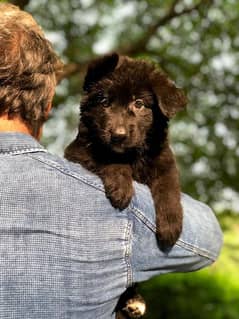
[{"x": 136, "y": 307}]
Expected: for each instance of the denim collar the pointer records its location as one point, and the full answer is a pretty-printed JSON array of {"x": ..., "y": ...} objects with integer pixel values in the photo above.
[{"x": 18, "y": 143}]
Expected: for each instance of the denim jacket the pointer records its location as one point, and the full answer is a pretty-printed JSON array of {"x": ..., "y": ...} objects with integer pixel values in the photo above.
[{"x": 66, "y": 253}]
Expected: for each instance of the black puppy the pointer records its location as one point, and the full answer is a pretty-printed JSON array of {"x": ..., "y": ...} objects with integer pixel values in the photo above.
[{"x": 123, "y": 135}]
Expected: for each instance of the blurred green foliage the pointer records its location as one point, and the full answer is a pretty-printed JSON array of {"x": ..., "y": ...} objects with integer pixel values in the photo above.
[
  {"x": 212, "y": 293},
  {"x": 195, "y": 41}
]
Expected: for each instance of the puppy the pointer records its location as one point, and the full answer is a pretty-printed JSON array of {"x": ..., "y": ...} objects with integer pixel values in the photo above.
[{"x": 123, "y": 136}]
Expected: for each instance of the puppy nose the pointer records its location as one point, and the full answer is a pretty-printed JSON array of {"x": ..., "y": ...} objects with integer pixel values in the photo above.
[{"x": 119, "y": 134}]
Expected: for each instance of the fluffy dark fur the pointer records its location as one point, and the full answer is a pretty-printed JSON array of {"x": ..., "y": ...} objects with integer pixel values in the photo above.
[{"x": 123, "y": 135}]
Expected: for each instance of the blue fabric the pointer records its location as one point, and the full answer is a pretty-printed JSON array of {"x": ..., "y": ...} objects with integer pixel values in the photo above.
[{"x": 66, "y": 253}]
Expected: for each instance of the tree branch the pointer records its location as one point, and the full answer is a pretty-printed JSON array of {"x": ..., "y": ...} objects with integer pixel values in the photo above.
[
  {"x": 140, "y": 45},
  {"x": 71, "y": 69},
  {"x": 170, "y": 15}
]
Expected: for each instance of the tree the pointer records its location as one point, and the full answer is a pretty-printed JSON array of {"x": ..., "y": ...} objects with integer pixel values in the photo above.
[{"x": 195, "y": 42}]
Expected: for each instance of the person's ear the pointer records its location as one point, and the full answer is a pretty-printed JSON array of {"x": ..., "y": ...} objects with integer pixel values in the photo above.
[
  {"x": 37, "y": 130},
  {"x": 171, "y": 99},
  {"x": 48, "y": 109},
  {"x": 98, "y": 69}
]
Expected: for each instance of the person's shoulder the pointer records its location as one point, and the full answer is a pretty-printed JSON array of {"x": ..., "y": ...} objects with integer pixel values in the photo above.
[
  {"x": 69, "y": 169},
  {"x": 201, "y": 231},
  {"x": 141, "y": 206}
]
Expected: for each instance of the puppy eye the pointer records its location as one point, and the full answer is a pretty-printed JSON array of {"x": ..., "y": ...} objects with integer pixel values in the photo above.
[
  {"x": 104, "y": 101},
  {"x": 139, "y": 103}
]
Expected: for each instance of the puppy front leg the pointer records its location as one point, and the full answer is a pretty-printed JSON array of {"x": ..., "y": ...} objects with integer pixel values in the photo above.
[
  {"x": 118, "y": 183},
  {"x": 165, "y": 190}
]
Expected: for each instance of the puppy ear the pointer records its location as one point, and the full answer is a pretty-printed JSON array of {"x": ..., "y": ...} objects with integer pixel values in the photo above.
[
  {"x": 99, "y": 68},
  {"x": 171, "y": 99}
]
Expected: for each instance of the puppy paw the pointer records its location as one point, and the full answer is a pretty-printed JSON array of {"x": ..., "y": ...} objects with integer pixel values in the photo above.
[
  {"x": 169, "y": 235},
  {"x": 119, "y": 192},
  {"x": 169, "y": 228},
  {"x": 118, "y": 184},
  {"x": 135, "y": 308}
]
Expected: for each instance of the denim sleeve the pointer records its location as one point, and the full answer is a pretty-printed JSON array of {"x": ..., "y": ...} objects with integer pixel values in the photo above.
[{"x": 198, "y": 246}]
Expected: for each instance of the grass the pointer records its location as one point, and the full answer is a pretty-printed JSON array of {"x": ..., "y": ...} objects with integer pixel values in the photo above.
[{"x": 210, "y": 293}]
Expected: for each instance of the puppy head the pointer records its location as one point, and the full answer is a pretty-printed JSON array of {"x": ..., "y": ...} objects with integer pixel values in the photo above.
[{"x": 122, "y": 97}]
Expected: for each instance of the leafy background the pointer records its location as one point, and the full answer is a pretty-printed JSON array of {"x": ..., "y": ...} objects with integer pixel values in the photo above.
[{"x": 197, "y": 44}]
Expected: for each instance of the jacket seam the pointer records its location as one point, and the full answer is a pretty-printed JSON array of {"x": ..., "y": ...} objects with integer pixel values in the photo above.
[
  {"x": 23, "y": 151},
  {"x": 127, "y": 253},
  {"x": 136, "y": 211},
  {"x": 197, "y": 250},
  {"x": 99, "y": 187},
  {"x": 68, "y": 172},
  {"x": 180, "y": 243},
  {"x": 142, "y": 217}
]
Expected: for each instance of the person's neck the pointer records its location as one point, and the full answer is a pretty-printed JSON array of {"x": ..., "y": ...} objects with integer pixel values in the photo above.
[{"x": 14, "y": 125}]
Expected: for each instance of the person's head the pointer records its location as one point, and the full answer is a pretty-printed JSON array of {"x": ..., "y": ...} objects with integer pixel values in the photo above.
[{"x": 28, "y": 69}]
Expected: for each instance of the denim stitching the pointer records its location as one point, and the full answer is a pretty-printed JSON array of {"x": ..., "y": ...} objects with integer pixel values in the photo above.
[
  {"x": 180, "y": 242},
  {"x": 23, "y": 150},
  {"x": 135, "y": 210},
  {"x": 68, "y": 172},
  {"x": 142, "y": 217},
  {"x": 101, "y": 188},
  {"x": 127, "y": 253},
  {"x": 199, "y": 251}
]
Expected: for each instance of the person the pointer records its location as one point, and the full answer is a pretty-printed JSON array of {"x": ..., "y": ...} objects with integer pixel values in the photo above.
[{"x": 65, "y": 252}]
